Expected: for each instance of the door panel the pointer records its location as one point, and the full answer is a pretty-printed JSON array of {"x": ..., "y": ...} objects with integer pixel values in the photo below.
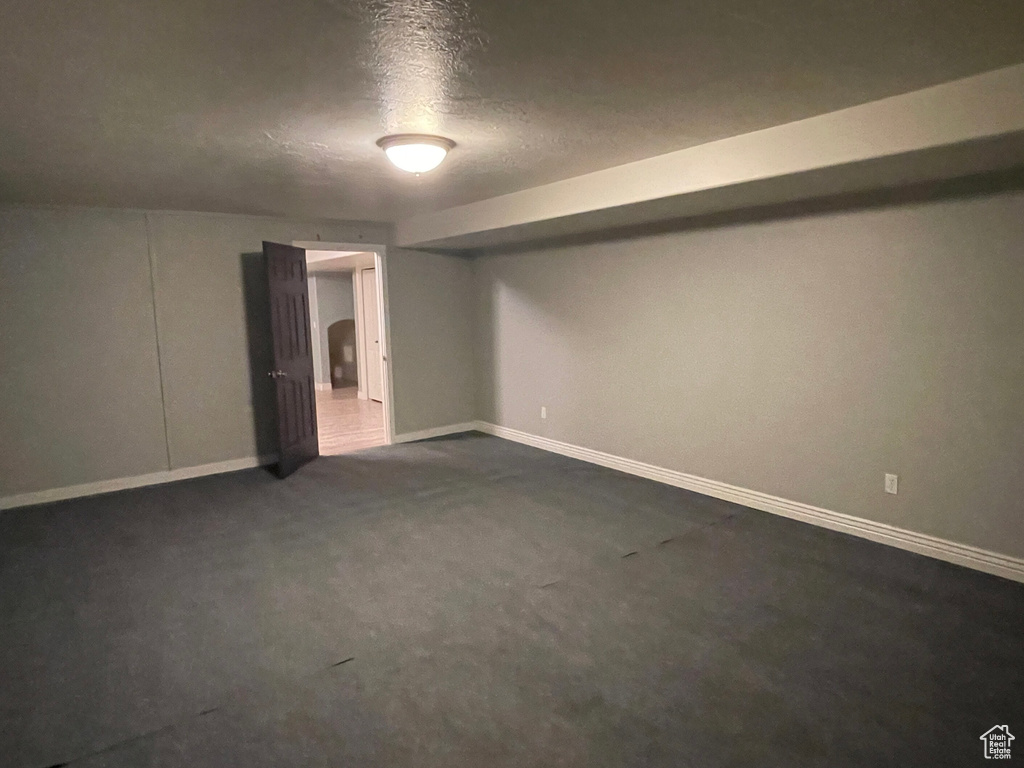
[
  {"x": 293, "y": 356},
  {"x": 371, "y": 326}
]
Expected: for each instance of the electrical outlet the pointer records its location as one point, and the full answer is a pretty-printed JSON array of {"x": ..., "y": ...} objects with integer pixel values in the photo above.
[
  {"x": 891, "y": 483},
  {"x": 543, "y": 412}
]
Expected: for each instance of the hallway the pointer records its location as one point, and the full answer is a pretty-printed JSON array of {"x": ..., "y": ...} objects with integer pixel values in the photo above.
[{"x": 345, "y": 423}]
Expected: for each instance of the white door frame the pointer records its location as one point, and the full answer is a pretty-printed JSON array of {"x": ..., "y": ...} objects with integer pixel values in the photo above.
[
  {"x": 379, "y": 252},
  {"x": 357, "y": 310},
  {"x": 362, "y": 354}
]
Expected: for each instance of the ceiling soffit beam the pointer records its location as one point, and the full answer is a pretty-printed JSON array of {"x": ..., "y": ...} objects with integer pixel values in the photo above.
[{"x": 917, "y": 124}]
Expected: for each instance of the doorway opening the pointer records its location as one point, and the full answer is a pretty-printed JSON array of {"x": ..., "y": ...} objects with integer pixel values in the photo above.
[{"x": 348, "y": 324}]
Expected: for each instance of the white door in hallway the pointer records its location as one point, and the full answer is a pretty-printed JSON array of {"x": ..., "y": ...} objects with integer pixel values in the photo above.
[{"x": 371, "y": 335}]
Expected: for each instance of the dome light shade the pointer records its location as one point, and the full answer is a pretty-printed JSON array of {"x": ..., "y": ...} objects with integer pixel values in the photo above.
[{"x": 414, "y": 152}]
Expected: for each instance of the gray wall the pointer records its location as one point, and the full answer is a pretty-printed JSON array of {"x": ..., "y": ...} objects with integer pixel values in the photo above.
[
  {"x": 430, "y": 300},
  {"x": 331, "y": 295},
  {"x": 84, "y": 364},
  {"x": 79, "y": 377},
  {"x": 800, "y": 357}
]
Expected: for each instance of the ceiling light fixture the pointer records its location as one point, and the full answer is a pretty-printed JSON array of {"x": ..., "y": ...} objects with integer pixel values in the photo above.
[{"x": 415, "y": 152}]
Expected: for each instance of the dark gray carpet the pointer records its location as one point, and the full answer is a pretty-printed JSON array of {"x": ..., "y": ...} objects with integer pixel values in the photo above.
[{"x": 473, "y": 602}]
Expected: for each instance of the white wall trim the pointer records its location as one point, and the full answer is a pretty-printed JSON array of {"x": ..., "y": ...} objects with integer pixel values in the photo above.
[
  {"x": 383, "y": 301},
  {"x": 137, "y": 481},
  {"x": 995, "y": 563},
  {"x": 942, "y": 549},
  {"x": 324, "y": 387},
  {"x": 357, "y": 310},
  {"x": 450, "y": 429}
]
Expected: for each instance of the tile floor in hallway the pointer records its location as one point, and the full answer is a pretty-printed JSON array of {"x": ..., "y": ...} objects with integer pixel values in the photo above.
[{"x": 346, "y": 423}]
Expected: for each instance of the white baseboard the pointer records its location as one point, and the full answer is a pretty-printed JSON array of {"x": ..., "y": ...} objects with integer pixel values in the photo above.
[
  {"x": 323, "y": 387},
  {"x": 138, "y": 481},
  {"x": 423, "y": 434},
  {"x": 961, "y": 554},
  {"x": 942, "y": 549}
]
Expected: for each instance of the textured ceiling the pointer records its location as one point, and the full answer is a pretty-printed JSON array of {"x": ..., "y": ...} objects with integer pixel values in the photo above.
[{"x": 266, "y": 106}]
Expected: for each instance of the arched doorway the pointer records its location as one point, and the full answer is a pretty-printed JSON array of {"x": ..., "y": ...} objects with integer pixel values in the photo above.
[{"x": 341, "y": 349}]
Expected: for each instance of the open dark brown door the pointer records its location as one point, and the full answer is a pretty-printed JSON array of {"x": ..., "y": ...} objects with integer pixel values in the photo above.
[{"x": 293, "y": 356}]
